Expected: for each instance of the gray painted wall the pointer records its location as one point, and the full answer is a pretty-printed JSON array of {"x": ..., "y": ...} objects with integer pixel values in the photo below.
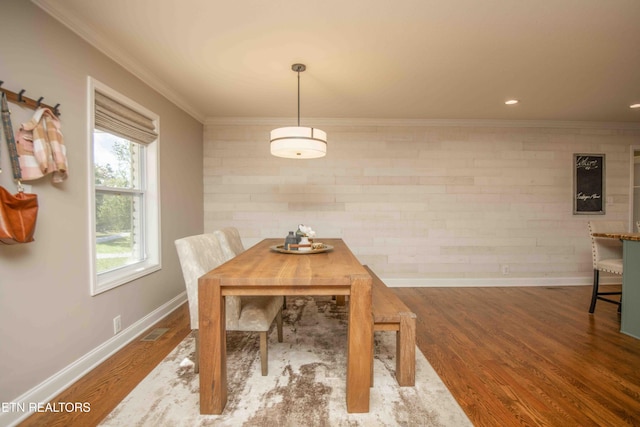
[{"x": 48, "y": 320}]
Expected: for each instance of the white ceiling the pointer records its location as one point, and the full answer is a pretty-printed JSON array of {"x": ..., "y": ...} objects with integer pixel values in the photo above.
[{"x": 567, "y": 60}]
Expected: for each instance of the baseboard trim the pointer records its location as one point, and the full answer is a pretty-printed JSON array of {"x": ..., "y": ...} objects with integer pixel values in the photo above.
[
  {"x": 57, "y": 383},
  {"x": 494, "y": 282}
]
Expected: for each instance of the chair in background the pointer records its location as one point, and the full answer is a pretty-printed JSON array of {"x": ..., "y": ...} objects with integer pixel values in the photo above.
[
  {"x": 230, "y": 240},
  {"x": 607, "y": 257},
  {"x": 198, "y": 255}
]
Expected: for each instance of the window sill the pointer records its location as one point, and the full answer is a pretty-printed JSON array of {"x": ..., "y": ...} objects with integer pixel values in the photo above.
[{"x": 113, "y": 279}]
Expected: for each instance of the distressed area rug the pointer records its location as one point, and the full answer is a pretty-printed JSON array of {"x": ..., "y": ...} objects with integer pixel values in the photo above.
[{"x": 306, "y": 383}]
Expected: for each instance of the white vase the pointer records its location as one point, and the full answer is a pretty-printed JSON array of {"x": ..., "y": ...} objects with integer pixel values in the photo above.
[{"x": 304, "y": 241}]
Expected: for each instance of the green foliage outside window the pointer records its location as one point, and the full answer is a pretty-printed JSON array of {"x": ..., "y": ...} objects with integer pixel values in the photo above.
[{"x": 116, "y": 166}]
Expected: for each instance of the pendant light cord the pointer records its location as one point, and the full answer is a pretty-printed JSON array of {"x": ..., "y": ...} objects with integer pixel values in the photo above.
[{"x": 298, "y": 98}]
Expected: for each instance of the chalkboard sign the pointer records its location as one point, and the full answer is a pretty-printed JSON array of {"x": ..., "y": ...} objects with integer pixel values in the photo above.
[{"x": 588, "y": 184}]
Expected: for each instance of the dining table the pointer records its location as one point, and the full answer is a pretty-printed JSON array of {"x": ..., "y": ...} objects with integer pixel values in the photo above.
[
  {"x": 267, "y": 269},
  {"x": 630, "y": 300}
]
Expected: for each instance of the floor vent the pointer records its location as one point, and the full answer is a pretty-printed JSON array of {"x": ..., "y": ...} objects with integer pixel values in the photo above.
[{"x": 155, "y": 334}]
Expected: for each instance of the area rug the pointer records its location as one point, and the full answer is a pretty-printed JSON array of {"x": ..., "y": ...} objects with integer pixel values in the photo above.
[{"x": 306, "y": 383}]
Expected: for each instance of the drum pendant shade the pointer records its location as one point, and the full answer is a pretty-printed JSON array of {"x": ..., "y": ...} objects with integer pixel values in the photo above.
[{"x": 298, "y": 142}]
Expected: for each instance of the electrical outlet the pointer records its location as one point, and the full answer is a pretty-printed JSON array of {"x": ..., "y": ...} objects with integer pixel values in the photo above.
[
  {"x": 117, "y": 324},
  {"x": 505, "y": 269}
]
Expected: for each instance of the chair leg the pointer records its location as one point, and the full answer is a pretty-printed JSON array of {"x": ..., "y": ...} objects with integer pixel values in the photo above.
[
  {"x": 196, "y": 357},
  {"x": 264, "y": 356},
  {"x": 279, "y": 325},
  {"x": 594, "y": 295}
]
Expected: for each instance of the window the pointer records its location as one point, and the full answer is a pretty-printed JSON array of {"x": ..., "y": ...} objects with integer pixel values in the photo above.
[{"x": 125, "y": 223}]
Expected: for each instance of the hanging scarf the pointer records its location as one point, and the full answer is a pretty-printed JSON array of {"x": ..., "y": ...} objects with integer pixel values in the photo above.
[{"x": 41, "y": 147}]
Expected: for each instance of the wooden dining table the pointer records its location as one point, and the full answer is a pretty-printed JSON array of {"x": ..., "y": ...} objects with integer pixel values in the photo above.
[
  {"x": 260, "y": 270},
  {"x": 630, "y": 300}
]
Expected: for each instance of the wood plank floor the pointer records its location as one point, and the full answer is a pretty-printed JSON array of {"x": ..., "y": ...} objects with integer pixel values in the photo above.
[
  {"x": 106, "y": 386},
  {"x": 510, "y": 356},
  {"x": 530, "y": 356}
]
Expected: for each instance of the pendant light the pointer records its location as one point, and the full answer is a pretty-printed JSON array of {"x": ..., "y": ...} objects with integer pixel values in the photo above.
[{"x": 298, "y": 142}]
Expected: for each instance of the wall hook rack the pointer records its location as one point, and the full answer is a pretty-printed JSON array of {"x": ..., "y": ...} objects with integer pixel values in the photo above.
[{"x": 20, "y": 99}]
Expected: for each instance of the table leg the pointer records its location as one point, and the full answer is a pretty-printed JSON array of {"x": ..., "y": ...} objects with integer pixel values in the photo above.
[
  {"x": 360, "y": 345},
  {"x": 213, "y": 347}
]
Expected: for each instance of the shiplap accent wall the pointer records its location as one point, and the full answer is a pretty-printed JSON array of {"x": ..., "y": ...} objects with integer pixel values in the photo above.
[{"x": 424, "y": 204}]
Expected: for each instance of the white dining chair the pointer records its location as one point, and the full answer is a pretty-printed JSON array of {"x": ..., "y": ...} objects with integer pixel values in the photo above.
[
  {"x": 229, "y": 238},
  {"x": 607, "y": 257},
  {"x": 231, "y": 242},
  {"x": 202, "y": 253}
]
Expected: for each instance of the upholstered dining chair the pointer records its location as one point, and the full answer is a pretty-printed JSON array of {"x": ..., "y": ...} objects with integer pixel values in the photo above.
[
  {"x": 198, "y": 255},
  {"x": 230, "y": 240},
  {"x": 607, "y": 257}
]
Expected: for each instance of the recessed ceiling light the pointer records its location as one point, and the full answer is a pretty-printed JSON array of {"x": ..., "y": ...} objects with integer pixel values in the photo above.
[
  {"x": 511, "y": 102},
  {"x": 634, "y": 106}
]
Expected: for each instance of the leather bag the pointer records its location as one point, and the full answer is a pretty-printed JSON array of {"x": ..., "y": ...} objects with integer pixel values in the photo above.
[{"x": 18, "y": 214}]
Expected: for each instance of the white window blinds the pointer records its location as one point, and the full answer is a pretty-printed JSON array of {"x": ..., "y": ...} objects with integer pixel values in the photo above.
[{"x": 118, "y": 119}]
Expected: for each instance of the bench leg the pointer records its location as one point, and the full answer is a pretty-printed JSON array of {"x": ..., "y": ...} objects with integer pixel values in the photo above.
[{"x": 406, "y": 352}]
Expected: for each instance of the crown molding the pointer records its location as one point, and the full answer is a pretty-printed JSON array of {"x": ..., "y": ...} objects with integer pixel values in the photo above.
[
  {"x": 338, "y": 122},
  {"x": 63, "y": 15}
]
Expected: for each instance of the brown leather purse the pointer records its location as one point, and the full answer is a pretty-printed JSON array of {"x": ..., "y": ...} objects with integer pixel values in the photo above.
[{"x": 18, "y": 213}]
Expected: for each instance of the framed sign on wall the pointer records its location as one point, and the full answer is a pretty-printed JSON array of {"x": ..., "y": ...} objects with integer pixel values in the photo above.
[{"x": 588, "y": 184}]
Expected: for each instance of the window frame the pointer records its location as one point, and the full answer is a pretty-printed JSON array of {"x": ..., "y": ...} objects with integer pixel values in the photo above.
[{"x": 150, "y": 178}]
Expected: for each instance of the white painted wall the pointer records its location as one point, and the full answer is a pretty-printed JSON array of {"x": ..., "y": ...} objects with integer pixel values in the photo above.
[
  {"x": 48, "y": 320},
  {"x": 424, "y": 203}
]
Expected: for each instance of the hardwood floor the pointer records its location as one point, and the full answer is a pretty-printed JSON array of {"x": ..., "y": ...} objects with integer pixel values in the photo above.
[
  {"x": 104, "y": 387},
  {"x": 510, "y": 356},
  {"x": 529, "y": 356}
]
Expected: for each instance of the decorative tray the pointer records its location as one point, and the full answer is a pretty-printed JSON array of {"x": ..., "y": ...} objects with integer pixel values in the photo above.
[{"x": 282, "y": 250}]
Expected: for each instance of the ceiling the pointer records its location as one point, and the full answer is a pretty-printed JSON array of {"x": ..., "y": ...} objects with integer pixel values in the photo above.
[{"x": 565, "y": 60}]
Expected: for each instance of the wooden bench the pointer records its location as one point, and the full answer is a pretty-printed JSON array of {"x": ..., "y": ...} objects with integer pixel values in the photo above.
[{"x": 391, "y": 314}]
